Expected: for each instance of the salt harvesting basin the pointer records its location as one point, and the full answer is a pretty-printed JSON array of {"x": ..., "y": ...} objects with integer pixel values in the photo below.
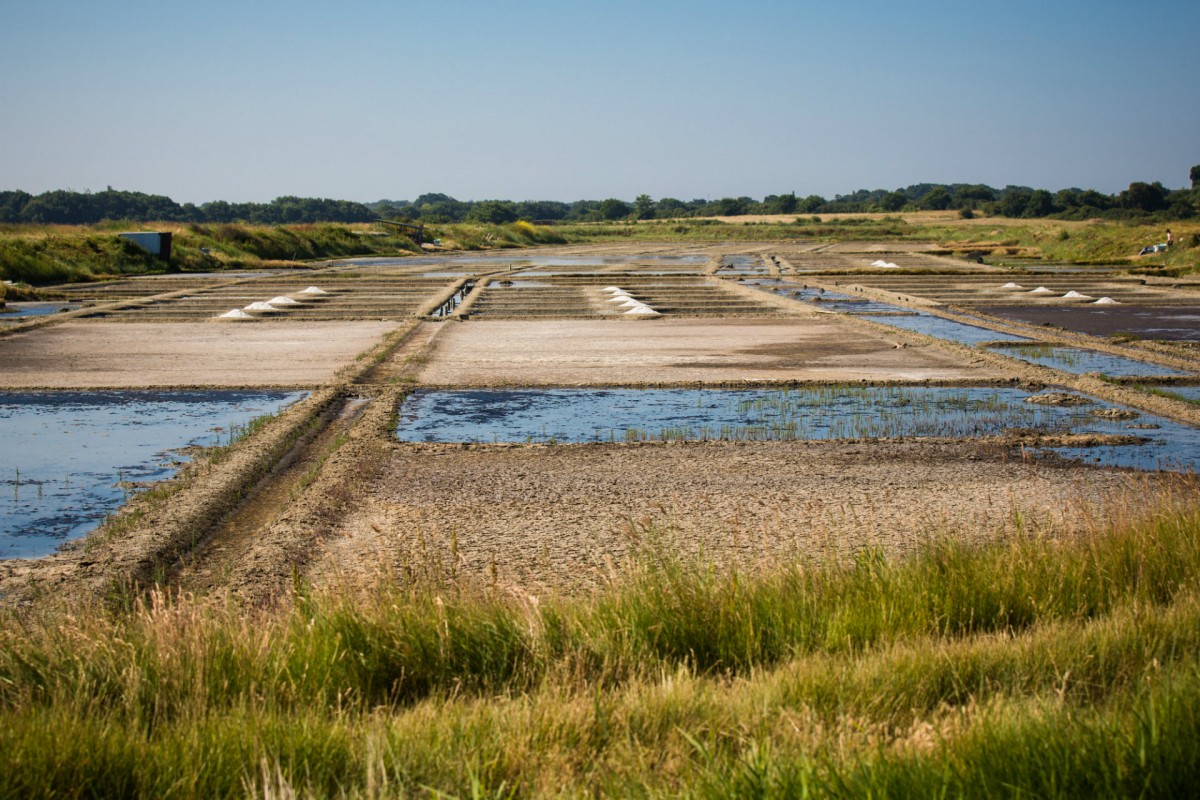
[
  {"x": 66, "y": 454},
  {"x": 1080, "y": 361},
  {"x": 573, "y": 416}
]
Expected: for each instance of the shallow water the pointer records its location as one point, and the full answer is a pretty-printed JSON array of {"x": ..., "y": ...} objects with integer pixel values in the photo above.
[
  {"x": 809, "y": 413},
  {"x": 830, "y": 301},
  {"x": 23, "y": 310},
  {"x": 1079, "y": 361},
  {"x": 942, "y": 328},
  {"x": 65, "y": 452}
]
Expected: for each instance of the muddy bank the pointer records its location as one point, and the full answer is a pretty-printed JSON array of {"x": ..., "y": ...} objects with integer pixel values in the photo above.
[{"x": 560, "y": 516}]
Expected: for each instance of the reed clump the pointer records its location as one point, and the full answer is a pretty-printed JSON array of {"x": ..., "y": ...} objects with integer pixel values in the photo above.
[{"x": 1039, "y": 665}]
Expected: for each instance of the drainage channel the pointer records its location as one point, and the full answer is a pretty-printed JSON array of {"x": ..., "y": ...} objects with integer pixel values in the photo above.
[{"x": 447, "y": 308}]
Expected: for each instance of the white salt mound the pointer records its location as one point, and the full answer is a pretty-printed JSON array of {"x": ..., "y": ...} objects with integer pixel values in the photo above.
[
  {"x": 619, "y": 298},
  {"x": 261, "y": 306},
  {"x": 642, "y": 310},
  {"x": 1074, "y": 295},
  {"x": 317, "y": 290},
  {"x": 1011, "y": 285},
  {"x": 236, "y": 313},
  {"x": 282, "y": 301},
  {"x": 1106, "y": 301},
  {"x": 613, "y": 289},
  {"x": 1042, "y": 290},
  {"x": 884, "y": 264},
  {"x": 630, "y": 302}
]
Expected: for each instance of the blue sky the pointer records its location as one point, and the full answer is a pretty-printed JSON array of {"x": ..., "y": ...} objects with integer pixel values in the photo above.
[{"x": 365, "y": 99}]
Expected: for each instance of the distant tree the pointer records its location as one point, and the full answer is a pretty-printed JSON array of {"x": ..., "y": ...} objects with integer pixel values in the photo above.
[
  {"x": 1039, "y": 204},
  {"x": 1194, "y": 174},
  {"x": 613, "y": 208},
  {"x": 936, "y": 199},
  {"x": 1014, "y": 200},
  {"x": 643, "y": 207},
  {"x": 669, "y": 207},
  {"x": 496, "y": 212},
  {"x": 1144, "y": 197},
  {"x": 730, "y": 206},
  {"x": 542, "y": 210},
  {"x": 893, "y": 201},
  {"x": 811, "y": 204},
  {"x": 11, "y": 204}
]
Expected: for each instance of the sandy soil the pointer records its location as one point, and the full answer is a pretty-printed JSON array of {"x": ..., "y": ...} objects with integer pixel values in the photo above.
[
  {"x": 560, "y": 516},
  {"x": 85, "y": 354},
  {"x": 573, "y": 352}
]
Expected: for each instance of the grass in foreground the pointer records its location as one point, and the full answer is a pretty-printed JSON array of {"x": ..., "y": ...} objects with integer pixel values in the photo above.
[{"x": 1036, "y": 667}]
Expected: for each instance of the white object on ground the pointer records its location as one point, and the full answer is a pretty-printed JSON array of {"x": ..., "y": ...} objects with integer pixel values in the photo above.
[
  {"x": 282, "y": 301},
  {"x": 314, "y": 290},
  {"x": 879, "y": 262},
  {"x": 261, "y": 306},
  {"x": 1011, "y": 285},
  {"x": 642, "y": 309},
  {"x": 630, "y": 302},
  {"x": 1106, "y": 301},
  {"x": 1074, "y": 295},
  {"x": 236, "y": 313},
  {"x": 619, "y": 298},
  {"x": 1042, "y": 290},
  {"x": 613, "y": 289}
]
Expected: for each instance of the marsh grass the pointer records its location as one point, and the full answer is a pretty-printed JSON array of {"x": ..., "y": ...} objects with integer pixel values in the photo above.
[{"x": 1051, "y": 666}]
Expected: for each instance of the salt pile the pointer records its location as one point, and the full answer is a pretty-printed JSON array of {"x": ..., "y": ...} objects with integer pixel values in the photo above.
[
  {"x": 1074, "y": 295},
  {"x": 641, "y": 309},
  {"x": 1106, "y": 301},
  {"x": 884, "y": 264},
  {"x": 236, "y": 313},
  {"x": 619, "y": 298},
  {"x": 1042, "y": 290},
  {"x": 613, "y": 290},
  {"x": 314, "y": 290},
  {"x": 282, "y": 301},
  {"x": 261, "y": 306},
  {"x": 630, "y": 302},
  {"x": 1011, "y": 285}
]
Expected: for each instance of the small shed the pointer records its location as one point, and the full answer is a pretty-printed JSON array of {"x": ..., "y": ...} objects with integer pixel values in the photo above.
[{"x": 153, "y": 242}]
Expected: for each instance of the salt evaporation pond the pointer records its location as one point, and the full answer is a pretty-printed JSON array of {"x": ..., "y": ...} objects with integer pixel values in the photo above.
[
  {"x": 66, "y": 452},
  {"x": 830, "y": 301},
  {"x": 943, "y": 328},
  {"x": 1080, "y": 361},
  {"x": 809, "y": 413},
  {"x": 18, "y": 311}
]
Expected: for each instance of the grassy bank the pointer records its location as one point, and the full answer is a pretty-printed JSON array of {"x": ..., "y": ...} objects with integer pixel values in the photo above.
[
  {"x": 45, "y": 255},
  {"x": 1036, "y": 667}
]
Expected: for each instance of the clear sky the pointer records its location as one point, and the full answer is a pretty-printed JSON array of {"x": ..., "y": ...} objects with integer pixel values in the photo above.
[{"x": 247, "y": 100}]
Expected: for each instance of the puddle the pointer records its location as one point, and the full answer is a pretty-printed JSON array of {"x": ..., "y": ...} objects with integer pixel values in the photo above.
[
  {"x": 13, "y": 312},
  {"x": 1079, "y": 361},
  {"x": 444, "y": 274},
  {"x": 66, "y": 452},
  {"x": 571, "y": 416},
  {"x": 942, "y": 328},
  {"x": 742, "y": 265}
]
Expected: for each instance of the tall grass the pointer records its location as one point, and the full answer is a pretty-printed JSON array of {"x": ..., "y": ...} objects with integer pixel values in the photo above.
[{"x": 1064, "y": 667}]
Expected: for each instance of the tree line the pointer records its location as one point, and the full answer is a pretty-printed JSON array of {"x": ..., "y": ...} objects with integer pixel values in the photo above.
[{"x": 1139, "y": 201}]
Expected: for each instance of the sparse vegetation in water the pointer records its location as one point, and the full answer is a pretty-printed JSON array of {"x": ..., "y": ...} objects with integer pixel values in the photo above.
[{"x": 1030, "y": 663}]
